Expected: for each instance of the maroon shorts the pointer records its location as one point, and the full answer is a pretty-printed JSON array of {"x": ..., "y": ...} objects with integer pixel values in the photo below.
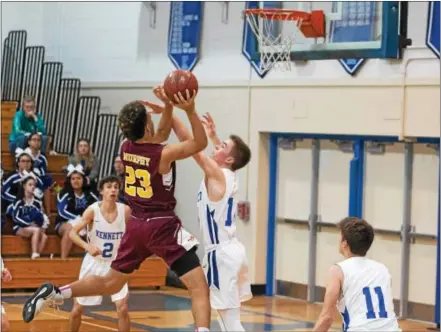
[{"x": 160, "y": 234}]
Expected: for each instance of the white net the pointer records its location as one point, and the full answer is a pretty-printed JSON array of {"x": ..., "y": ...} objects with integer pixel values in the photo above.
[{"x": 274, "y": 46}]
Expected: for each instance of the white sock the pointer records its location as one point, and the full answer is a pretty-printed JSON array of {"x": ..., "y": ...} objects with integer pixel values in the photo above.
[
  {"x": 229, "y": 320},
  {"x": 66, "y": 292},
  {"x": 202, "y": 329}
]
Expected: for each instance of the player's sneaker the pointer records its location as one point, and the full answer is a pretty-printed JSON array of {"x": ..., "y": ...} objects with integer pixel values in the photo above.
[{"x": 46, "y": 295}]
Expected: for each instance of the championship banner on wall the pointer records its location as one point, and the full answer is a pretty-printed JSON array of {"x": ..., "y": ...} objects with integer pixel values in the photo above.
[
  {"x": 356, "y": 25},
  {"x": 432, "y": 36},
  {"x": 184, "y": 33}
]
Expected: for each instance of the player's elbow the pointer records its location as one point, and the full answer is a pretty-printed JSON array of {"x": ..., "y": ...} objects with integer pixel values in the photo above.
[
  {"x": 201, "y": 144},
  {"x": 325, "y": 322}
]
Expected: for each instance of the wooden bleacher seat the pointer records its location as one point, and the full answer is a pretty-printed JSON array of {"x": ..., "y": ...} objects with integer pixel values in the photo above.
[
  {"x": 27, "y": 273},
  {"x": 17, "y": 246}
]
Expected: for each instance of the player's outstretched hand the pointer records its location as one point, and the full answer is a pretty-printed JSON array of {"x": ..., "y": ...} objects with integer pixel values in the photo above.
[
  {"x": 159, "y": 92},
  {"x": 209, "y": 125},
  {"x": 154, "y": 108},
  {"x": 185, "y": 104},
  {"x": 6, "y": 275},
  {"x": 93, "y": 251}
]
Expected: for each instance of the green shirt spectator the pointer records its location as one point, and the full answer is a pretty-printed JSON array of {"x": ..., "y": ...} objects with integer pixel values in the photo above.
[{"x": 26, "y": 122}]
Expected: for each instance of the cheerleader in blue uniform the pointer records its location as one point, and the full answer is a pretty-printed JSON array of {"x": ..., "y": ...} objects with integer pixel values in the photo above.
[
  {"x": 11, "y": 185},
  {"x": 72, "y": 200},
  {"x": 28, "y": 216},
  {"x": 40, "y": 167}
]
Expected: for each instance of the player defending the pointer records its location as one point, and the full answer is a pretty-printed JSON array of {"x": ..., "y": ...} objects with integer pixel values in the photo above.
[
  {"x": 6, "y": 276},
  {"x": 105, "y": 222},
  {"x": 225, "y": 261},
  {"x": 153, "y": 227},
  {"x": 359, "y": 287}
]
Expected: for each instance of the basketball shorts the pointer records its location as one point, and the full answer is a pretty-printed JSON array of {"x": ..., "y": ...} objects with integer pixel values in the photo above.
[
  {"x": 159, "y": 234},
  {"x": 92, "y": 266},
  {"x": 226, "y": 270}
]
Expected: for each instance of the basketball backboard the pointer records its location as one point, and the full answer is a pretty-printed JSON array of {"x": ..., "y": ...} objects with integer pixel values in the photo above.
[{"x": 354, "y": 29}]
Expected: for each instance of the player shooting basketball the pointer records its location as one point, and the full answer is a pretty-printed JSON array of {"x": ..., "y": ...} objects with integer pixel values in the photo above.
[{"x": 153, "y": 227}]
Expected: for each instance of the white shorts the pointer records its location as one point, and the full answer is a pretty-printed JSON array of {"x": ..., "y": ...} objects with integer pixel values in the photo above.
[
  {"x": 98, "y": 267},
  {"x": 226, "y": 270}
]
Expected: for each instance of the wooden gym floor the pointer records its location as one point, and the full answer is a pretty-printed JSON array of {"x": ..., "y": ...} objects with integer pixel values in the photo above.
[{"x": 168, "y": 310}]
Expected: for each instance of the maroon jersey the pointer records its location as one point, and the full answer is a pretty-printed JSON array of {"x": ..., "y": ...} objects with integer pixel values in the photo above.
[{"x": 145, "y": 189}]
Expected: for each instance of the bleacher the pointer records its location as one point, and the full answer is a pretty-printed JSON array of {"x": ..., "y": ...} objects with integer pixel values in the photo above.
[{"x": 68, "y": 116}]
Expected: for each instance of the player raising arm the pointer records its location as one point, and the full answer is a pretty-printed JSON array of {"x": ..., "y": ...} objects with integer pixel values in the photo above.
[
  {"x": 153, "y": 227},
  {"x": 225, "y": 256}
]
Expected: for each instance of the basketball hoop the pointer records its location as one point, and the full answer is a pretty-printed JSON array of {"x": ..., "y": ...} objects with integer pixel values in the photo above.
[{"x": 275, "y": 44}]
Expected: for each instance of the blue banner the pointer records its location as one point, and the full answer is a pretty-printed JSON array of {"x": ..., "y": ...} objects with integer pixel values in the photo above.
[
  {"x": 357, "y": 25},
  {"x": 250, "y": 46},
  {"x": 432, "y": 36},
  {"x": 184, "y": 33}
]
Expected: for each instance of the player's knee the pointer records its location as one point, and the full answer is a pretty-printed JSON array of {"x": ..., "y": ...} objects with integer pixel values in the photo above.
[
  {"x": 122, "y": 309},
  {"x": 77, "y": 310},
  {"x": 186, "y": 263}
]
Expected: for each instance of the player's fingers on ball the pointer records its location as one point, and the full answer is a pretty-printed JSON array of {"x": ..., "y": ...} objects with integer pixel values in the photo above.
[
  {"x": 177, "y": 101},
  {"x": 187, "y": 93},
  {"x": 181, "y": 98}
]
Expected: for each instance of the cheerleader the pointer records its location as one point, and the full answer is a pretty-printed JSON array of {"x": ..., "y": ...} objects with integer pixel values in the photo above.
[
  {"x": 72, "y": 200},
  {"x": 28, "y": 216}
]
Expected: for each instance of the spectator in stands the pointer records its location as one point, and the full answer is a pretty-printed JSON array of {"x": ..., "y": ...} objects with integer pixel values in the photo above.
[
  {"x": 40, "y": 166},
  {"x": 72, "y": 200},
  {"x": 84, "y": 156},
  {"x": 27, "y": 121},
  {"x": 11, "y": 185},
  {"x": 120, "y": 173},
  {"x": 28, "y": 216}
]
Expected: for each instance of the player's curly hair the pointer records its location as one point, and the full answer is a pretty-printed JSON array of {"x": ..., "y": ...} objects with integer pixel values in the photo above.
[
  {"x": 358, "y": 233},
  {"x": 132, "y": 120}
]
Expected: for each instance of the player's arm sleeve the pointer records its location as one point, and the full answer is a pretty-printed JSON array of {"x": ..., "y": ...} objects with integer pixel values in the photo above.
[
  {"x": 329, "y": 309},
  {"x": 62, "y": 206}
]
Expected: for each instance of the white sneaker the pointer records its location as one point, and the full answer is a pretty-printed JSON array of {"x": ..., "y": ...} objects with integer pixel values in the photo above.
[
  {"x": 46, "y": 295},
  {"x": 35, "y": 255}
]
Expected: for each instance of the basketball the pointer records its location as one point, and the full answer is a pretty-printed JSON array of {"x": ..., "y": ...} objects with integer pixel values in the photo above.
[{"x": 179, "y": 81}]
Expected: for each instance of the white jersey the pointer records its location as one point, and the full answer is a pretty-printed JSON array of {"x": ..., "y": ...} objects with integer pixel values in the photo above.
[
  {"x": 105, "y": 235},
  {"x": 218, "y": 219},
  {"x": 367, "y": 303},
  {"x": 225, "y": 263}
]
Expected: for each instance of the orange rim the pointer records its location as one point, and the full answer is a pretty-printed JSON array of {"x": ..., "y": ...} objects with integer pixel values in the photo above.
[{"x": 279, "y": 14}]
